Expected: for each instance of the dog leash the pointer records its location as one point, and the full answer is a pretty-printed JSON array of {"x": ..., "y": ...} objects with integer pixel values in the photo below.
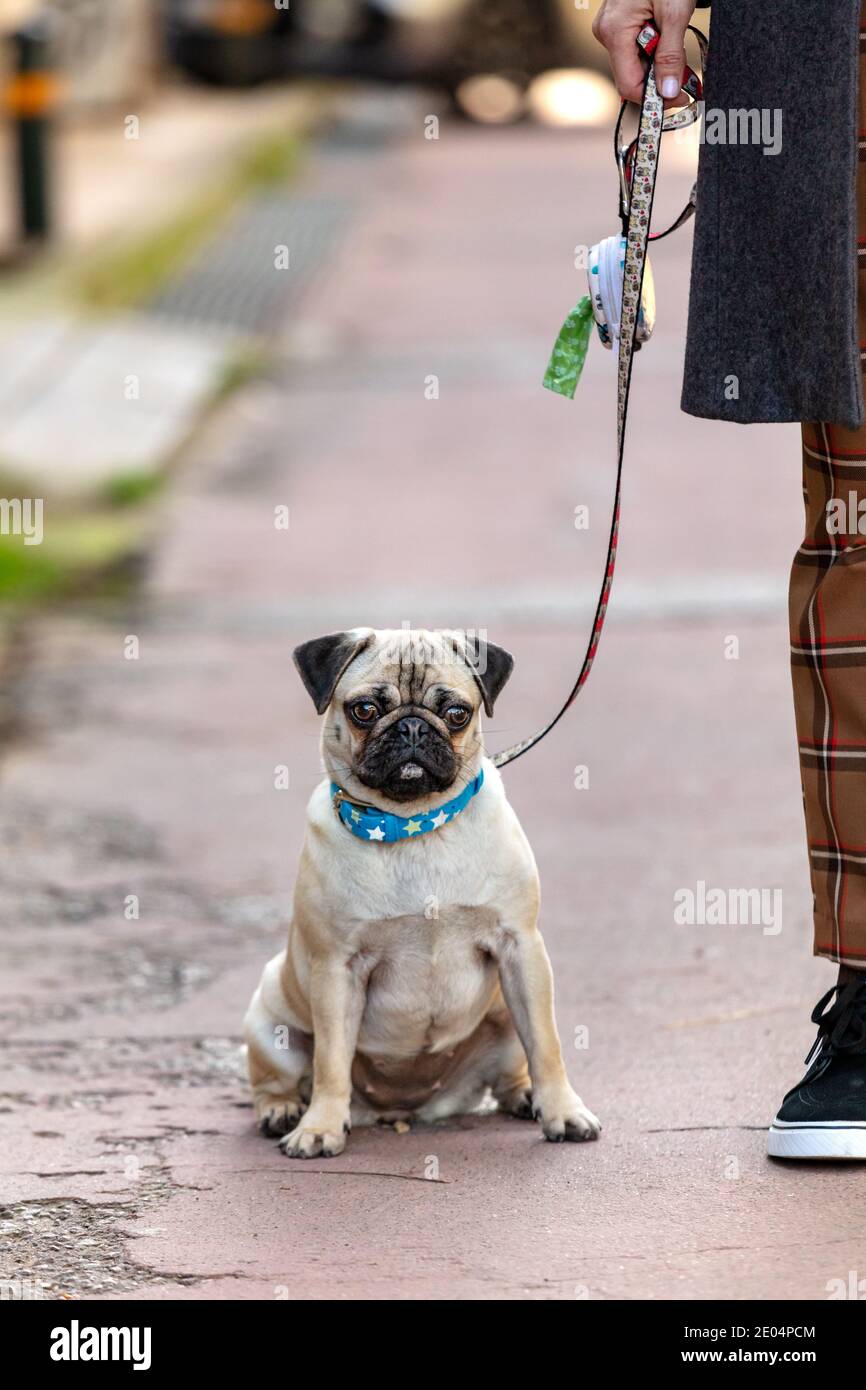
[{"x": 638, "y": 168}]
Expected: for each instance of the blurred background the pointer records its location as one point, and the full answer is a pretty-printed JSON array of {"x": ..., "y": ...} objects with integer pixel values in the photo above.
[{"x": 141, "y": 140}]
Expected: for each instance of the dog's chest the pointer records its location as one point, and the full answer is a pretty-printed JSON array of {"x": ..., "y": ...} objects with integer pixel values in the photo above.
[
  {"x": 424, "y": 878},
  {"x": 432, "y": 981}
]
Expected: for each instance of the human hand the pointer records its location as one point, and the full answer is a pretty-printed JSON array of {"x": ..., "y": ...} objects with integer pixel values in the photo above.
[{"x": 617, "y": 26}]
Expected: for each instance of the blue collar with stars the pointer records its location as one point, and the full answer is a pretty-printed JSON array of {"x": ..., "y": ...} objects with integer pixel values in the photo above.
[{"x": 369, "y": 824}]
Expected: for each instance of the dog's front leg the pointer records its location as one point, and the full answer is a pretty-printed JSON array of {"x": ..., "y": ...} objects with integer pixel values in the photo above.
[
  {"x": 527, "y": 983},
  {"x": 336, "y": 992}
]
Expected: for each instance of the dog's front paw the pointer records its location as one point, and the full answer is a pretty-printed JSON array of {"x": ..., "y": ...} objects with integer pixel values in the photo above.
[
  {"x": 321, "y": 1134},
  {"x": 563, "y": 1116}
]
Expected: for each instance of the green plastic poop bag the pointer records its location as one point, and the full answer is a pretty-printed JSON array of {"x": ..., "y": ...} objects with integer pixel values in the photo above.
[{"x": 569, "y": 350}]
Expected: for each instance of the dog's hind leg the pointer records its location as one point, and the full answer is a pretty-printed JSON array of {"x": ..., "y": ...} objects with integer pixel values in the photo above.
[
  {"x": 279, "y": 1055},
  {"x": 495, "y": 1062},
  {"x": 510, "y": 1082}
]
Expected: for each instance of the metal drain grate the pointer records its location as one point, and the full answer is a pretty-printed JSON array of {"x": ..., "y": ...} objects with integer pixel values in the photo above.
[{"x": 234, "y": 283}]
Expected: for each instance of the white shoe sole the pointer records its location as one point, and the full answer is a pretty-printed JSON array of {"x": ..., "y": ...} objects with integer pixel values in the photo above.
[{"x": 837, "y": 1139}]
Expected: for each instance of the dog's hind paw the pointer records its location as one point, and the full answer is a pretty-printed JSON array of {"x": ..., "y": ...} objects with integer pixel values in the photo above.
[
  {"x": 277, "y": 1117},
  {"x": 517, "y": 1103}
]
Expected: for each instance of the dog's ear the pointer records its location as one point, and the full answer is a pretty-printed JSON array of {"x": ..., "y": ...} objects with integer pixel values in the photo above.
[
  {"x": 322, "y": 661},
  {"x": 490, "y": 665}
]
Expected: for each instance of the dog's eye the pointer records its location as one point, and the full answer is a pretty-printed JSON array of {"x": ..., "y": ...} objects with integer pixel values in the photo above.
[
  {"x": 457, "y": 716},
  {"x": 364, "y": 711}
]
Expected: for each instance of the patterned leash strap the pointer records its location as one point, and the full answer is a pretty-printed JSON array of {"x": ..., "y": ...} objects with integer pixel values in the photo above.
[{"x": 639, "y": 168}]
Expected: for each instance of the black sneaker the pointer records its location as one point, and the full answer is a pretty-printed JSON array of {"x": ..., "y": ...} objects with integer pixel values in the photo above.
[{"x": 825, "y": 1116}]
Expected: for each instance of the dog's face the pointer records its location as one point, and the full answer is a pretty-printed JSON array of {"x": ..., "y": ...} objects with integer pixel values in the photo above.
[{"x": 402, "y": 708}]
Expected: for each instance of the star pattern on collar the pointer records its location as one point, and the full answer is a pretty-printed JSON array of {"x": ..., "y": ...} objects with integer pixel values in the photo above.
[{"x": 370, "y": 824}]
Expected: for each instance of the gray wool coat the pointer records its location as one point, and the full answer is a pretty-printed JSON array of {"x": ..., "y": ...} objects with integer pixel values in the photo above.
[{"x": 772, "y": 332}]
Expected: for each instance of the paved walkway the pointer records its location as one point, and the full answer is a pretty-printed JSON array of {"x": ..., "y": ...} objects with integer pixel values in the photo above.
[
  {"x": 106, "y": 171},
  {"x": 130, "y": 1163},
  {"x": 86, "y": 400}
]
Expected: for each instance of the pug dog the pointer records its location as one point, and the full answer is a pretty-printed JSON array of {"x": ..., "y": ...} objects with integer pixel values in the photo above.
[{"x": 415, "y": 982}]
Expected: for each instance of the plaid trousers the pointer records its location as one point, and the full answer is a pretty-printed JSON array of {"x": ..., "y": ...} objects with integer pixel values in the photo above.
[{"x": 827, "y": 603}]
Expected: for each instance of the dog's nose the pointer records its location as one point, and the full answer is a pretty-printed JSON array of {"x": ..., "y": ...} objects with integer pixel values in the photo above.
[{"x": 413, "y": 731}]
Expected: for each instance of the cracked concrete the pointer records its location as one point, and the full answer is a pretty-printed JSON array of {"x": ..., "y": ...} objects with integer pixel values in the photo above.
[
  {"x": 130, "y": 1166},
  {"x": 86, "y": 1244}
]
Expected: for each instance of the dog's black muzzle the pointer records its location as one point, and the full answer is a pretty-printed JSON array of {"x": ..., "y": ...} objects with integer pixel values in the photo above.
[{"x": 408, "y": 760}]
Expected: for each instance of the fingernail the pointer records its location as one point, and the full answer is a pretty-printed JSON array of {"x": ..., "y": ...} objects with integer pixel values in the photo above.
[{"x": 670, "y": 87}]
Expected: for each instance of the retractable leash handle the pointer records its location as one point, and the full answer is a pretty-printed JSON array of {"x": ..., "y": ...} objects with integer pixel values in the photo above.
[{"x": 638, "y": 169}]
